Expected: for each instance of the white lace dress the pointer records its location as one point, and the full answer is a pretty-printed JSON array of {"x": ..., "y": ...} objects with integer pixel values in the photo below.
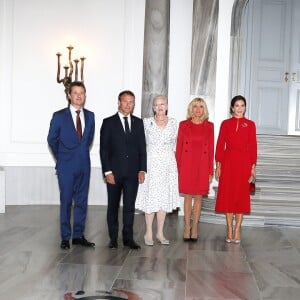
[{"x": 160, "y": 189}]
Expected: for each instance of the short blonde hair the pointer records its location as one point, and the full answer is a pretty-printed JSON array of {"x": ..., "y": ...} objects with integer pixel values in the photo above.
[
  {"x": 163, "y": 97},
  {"x": 192, "y": 104}
]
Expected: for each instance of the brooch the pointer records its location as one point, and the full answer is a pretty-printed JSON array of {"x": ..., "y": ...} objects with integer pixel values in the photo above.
[{"x": 244, "y": 125}]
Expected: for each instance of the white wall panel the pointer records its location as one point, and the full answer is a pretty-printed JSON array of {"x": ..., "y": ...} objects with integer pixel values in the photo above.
[
  {"x": 38, "y": 185},
  {"x": 108, "y": 33}
]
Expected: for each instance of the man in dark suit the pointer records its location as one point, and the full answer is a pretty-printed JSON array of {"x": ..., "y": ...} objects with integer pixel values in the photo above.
[
  {"x": 70, "y": 136},
  {"x": 124, "y": 163}
]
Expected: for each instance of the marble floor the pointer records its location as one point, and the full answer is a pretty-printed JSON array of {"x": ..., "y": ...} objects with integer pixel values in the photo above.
[{"x": 32, "y": 266}]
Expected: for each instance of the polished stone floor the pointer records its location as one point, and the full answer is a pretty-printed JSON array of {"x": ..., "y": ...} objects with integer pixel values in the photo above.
[{"x": 32, "y": 266}]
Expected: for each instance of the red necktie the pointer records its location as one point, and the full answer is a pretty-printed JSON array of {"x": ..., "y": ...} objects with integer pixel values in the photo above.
[{"x": 78, "y": 126}]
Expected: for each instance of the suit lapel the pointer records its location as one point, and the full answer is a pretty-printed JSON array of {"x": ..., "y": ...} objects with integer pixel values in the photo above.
[
  {"x": 188, "y": 129},
  {"x": 69, "y": 121},
  {"x": 132, "y": 127},
  {"x": 119, "y": 124},
  {"x": 86, "y": 122}
]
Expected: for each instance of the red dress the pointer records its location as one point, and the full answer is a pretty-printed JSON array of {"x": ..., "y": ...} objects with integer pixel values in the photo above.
[
  {"x": 236, "y": 151},
  {"x": 194, "y": 156}
]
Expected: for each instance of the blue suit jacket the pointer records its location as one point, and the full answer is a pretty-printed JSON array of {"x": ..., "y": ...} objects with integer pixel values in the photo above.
[
  {"x": 68, "y": 151},
  {"x": 121, "y": 154}
]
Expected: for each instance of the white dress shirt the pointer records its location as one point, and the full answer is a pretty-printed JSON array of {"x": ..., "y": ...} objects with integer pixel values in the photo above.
[
  {"x": 74, "y": 115},
  {"x": 123, "y": 121}
]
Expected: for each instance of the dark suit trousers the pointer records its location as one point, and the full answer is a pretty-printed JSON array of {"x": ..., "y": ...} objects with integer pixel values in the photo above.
[
  {"x": 129, "y": 187},
  {"x": 73, "y": 185}
]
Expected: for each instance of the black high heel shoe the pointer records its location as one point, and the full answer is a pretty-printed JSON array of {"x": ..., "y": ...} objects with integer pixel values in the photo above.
[
  {"x": 185, "y": 239},
  {"x": 194, "y": 239}
]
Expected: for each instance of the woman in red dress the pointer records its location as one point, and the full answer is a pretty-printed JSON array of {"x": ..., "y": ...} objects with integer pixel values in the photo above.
[
  {"x": 194, "y": 156},
  {"x": 236, "y": 155}
]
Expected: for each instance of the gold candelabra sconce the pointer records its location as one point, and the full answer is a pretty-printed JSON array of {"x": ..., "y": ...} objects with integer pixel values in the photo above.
[{"x": 69, "y": 69}]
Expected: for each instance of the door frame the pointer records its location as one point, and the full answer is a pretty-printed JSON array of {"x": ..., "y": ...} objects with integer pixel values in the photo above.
[{"x": 240, "y": 56}]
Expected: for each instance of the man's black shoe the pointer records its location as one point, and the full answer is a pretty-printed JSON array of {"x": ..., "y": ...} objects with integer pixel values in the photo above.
[
  {"x": 132, "y": 245},
  {"x": 65, "y": 244},
  {"x": 113, "y": 244},
  {"x": 83, "y": 242}
]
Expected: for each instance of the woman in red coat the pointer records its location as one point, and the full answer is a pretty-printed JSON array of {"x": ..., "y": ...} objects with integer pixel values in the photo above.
[
  {"x": 194, "y": 156},
  {"x": 236, "y": 155}
]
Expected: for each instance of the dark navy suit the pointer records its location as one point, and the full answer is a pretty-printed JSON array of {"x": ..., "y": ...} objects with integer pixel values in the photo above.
[
  {"x": 124, "y": 155},
  {"x": 73, "y": 168}
]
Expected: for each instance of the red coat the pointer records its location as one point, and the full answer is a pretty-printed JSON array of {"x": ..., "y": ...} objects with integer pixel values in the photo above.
[
  {"x": 236, "y": 151},
  {"x": 194, "y": 156}
]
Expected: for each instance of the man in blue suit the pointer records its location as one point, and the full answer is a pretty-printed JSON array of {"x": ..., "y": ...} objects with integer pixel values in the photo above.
[
  {"x": 124, "y": 163},
  {"x": 70, "y": 137}
]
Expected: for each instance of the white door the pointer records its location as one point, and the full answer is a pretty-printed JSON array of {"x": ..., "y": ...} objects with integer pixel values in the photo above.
[
  {"x": 268, "y": 62},
  {"x": 294, "y": 72}
]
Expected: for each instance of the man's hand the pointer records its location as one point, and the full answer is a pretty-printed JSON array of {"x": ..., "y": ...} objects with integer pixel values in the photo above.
[
  {"x": 141, "y": 177},
  {"x": 110, "y": 178}
]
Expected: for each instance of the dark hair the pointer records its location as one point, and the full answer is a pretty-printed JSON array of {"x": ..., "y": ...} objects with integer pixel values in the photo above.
[
  {"x": 235, "y": 99},
  {"x": 126, "y": 92},
  {"x": 76, "y": 83}
]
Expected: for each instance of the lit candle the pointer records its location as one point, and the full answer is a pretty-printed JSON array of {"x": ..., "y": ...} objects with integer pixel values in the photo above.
[
  {"x": 76, "y": 61},
  {"x": 82, "y": 67},
  {"x": 58, "y": 66}
]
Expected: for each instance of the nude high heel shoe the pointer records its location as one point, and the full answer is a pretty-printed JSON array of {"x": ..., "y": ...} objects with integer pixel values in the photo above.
[
  {"x": 237, "y": 236},
  {"x": 163, "y": 241},
  {"x": 148, "y": 242},
  {"x": 228, "y": 239}
]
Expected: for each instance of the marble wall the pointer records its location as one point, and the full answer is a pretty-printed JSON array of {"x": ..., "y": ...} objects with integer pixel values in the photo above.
[
  {"x": 156, "y": 52},
  {"x": 203, "y": 56},
  {"x": 236, "y": 42},
  {"x": 204, "y": 51}
]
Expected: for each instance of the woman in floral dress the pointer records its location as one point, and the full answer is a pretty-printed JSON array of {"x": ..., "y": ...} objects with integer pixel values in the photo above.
[{"x": 159, "y": 193}]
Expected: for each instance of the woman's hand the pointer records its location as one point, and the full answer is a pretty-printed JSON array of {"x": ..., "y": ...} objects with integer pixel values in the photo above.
[
  {"x": 218, "y": 172},
  {"x": 253, "y": 174}
]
